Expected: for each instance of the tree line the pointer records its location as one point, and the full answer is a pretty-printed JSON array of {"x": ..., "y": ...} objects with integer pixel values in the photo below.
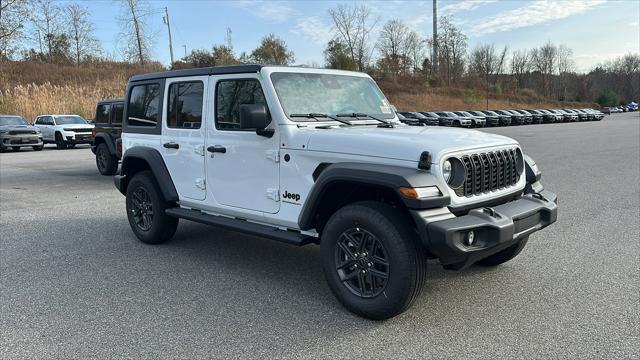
[{"x": 64, "y": 33}]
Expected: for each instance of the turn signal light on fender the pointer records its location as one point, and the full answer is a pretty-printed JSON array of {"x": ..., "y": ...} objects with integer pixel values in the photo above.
[{"x": 420, "y": 192}]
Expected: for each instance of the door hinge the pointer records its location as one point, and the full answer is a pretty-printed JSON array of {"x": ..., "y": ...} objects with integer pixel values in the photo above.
[
  {"x": 273, "y": 155},
  {"x": 273, "y": 194},
  {"x": 201, "y": 183},
  {"x": 199, "y": 150}
]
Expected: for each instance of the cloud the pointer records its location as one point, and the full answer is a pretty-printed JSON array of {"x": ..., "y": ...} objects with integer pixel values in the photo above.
[
  {"x": 314, "y": 29},
  {"x": 275, "y": 11},
  {"x": 466, "y": 5},
  {"x": 536, "y": 13}
]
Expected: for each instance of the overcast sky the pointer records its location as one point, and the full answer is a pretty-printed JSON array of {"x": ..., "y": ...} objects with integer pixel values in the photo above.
[{"x": 596, "y": 30}]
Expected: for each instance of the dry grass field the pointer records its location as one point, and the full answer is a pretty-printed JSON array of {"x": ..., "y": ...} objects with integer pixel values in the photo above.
[{"x": 33, "y": 88}]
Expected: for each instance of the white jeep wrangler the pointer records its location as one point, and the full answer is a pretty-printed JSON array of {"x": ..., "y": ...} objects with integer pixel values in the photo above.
[{"x": 305, "y": 156}]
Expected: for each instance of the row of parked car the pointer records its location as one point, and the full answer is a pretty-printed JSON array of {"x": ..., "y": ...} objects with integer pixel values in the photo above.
[
  {"x": 482, "y": 118},
  {"x": 66, "y": 131}
]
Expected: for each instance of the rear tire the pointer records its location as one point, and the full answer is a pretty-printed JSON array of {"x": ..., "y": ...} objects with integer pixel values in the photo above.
[
  {"x": 38, "y": 148},
  {"x": 146, "y": 210},
  {"x": 504, "y": 255},
  {"x": 60, "y": 143},
  {"x": 372, "y": 260},
  {"x": 107, "y": 164}
]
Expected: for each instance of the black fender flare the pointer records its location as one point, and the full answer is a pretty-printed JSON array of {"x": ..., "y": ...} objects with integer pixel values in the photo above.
[
  {"x": 387, "y": 176},
  {"x": 156, "y": 164},
  {"x": 111, "y": 145}
]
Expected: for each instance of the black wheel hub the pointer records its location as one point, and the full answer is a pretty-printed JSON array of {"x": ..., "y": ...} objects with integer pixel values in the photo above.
[
  {"x": 361, "y": 263},
  {"x": 142, "y": 209},
  {"x": 102, "y": 160}
]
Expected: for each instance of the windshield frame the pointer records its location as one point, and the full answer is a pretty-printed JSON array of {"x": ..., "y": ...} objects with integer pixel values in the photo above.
[
  {"x": 391, "y": 117},
  {"x": 17, "y": 117}
]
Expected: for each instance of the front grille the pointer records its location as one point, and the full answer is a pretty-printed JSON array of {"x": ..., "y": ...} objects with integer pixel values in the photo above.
[
  {"x": 79, "y": 130},
  {"x": 21, "y": 132},
  {"x": 20, "y": 141},
  {"x": 489, "y": 171}
]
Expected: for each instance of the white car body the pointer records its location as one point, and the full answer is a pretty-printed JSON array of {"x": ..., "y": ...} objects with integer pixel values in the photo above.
[
  {"x": 251, "y": 179},
  {"x": 70, "y": 132}
]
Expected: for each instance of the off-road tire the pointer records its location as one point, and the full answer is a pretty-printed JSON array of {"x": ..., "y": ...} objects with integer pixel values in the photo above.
[
  {"x": 38, "y": 147},
  {"x": 161, "y": 227},
  {"x": 405, "y": 258},
  {"x": 60, "y": 143},
  {"x": 107, "y": 164},
  {"x": 504, "y": 255}
]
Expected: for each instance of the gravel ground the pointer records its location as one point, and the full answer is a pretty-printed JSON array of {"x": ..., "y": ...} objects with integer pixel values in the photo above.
[{"x": 75, "y": 283}]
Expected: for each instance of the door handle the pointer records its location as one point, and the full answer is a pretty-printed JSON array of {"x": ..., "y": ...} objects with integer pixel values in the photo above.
[
  {"x": 217, "y": 149},
  {"x": 171, "y": 145}
]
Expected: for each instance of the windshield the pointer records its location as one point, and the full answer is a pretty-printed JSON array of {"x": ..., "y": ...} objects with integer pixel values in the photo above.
[
  {"x": 70, "y": 119},
  {"x": 304, "y": 93},
  {"x": 13, "y": 120}
]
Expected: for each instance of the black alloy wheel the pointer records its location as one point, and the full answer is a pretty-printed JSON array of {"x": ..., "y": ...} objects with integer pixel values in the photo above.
[
  {"x": 142, "y": 209},
  {"x": 361, "y": 263}
]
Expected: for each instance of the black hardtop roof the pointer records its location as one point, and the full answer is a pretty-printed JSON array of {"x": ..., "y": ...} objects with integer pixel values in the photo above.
[
  {"x": 110, "y": 100},
  {"x": 215, "y": 70}
]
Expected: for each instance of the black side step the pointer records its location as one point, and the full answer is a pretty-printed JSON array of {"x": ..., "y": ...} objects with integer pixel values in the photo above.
[{"x": 289, "y": 237}]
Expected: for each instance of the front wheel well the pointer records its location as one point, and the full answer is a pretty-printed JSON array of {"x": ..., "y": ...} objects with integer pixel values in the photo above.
[
  {"x": 132, "y": 166},
  {"x": 339, "y": 194}
]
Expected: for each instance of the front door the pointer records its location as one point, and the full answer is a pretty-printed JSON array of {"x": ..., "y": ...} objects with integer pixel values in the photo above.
[
  {"x": 242, "y": 167},
  {"x": 183, "y": 133}
]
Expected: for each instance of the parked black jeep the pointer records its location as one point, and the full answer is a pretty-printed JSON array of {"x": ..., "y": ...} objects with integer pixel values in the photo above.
[{"x": 108, "y": 127}]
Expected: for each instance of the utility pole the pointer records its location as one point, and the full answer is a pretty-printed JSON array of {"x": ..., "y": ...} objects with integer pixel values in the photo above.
[
  {"x": 229, "y": 42},
  {"x": 434, "y": 59},
  {"x": 39, "y": 39},
  {"x": 166, "y": 21}
]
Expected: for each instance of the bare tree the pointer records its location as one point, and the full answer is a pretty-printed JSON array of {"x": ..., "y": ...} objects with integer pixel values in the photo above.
[
  {"x": 12, "y": 14},
  {"x": 415, "y": 49},
  {"x": 353, "y": 25},
  {"x": 544, "y": 61},
  {"x": 401, "y": 47},
  {"x": 520, "y": 66},
  {"x": 486, "y": 62},
  {"x": 452, "y": 45},
  {"x": 83, "y": 42},
  {"x": 138, "y": 43},
  {"x": 45, "y": 16}
]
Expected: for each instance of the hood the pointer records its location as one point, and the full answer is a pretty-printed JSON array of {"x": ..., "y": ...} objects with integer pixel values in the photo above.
[
  {"x": 78, "y": 126},
  {"x": 402, "y": 142},
  {"x": 18, "y": 127}
]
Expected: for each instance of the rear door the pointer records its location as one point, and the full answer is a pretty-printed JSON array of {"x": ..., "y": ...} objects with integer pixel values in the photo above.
[{"x": 183, "y": 134}]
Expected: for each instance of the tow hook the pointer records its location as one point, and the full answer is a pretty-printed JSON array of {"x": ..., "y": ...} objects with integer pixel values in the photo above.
[
  {"x": 491, "y": 212},
  {"x": 539, "y": 196}
]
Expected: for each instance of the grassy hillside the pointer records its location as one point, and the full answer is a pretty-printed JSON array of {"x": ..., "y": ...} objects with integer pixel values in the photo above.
[{"x": 33, "y": 88}]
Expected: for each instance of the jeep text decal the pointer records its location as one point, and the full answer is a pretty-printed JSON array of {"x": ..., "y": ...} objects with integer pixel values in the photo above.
[{"x": 291, "y": 196}]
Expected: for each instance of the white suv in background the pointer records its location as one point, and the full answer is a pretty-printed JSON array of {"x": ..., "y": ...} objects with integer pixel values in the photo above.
[{"x": 64, "y": 130}]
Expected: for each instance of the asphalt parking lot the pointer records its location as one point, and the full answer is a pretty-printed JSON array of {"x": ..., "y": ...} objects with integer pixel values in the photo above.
[{"x": 75, "y": 283}]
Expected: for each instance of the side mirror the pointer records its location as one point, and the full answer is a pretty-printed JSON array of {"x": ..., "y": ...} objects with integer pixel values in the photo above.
[{"x": 253, "y": 117}]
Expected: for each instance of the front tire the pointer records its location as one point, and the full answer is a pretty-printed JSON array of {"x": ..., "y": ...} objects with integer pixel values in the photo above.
[
  {"x": 146, "y": 210},
  {"x": 107, "y": 164},
  {"x": 504, "y": 255},
  {"x": 60, "y": 143},
  {"x": 372, "y": 260}
]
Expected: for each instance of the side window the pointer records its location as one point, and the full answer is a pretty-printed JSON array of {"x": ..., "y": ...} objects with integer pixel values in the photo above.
[
  {"x": 48, "y": 120},
  {"x": 144, "y": 105},
  {"x": 117, "y": 110},
  {"x": 184, "y": 110},
  {"x": 230, "y": 94},
  {"x": 102, "y": 113}
]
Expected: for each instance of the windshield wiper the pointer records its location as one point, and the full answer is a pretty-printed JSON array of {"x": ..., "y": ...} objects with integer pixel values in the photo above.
[
  {"x": 385, "y": 123},
  {"x": 315, "y": 116}
]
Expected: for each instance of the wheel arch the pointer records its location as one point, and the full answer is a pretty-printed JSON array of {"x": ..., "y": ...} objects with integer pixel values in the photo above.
[
  {"x": 105, "y": 139},
  {"x": 140, "y": 158},
  {"x": 341, "y": 184}
]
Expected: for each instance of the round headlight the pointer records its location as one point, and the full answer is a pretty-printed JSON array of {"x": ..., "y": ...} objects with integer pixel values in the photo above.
[{"x": 446, "y": 171}]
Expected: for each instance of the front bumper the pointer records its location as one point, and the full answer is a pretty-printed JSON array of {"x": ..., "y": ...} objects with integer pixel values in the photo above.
[
  {"x": 21, "y": 140},
  {"x": 78, "y": 138},
  {"x": 495, "y": 228}
]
